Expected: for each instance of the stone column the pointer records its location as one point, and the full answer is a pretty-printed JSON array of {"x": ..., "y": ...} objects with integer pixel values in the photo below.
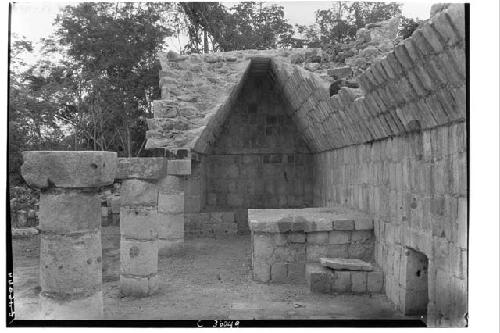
[
  {"x": 139, "y": 222},
  {"x": 171, "y": 206},
  {"x": 70, "y": 228}
]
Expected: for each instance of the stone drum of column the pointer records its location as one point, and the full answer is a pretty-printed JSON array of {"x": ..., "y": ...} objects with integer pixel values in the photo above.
[
  {"x": 171, "y": 212},
  {"x": 70, "y": 229},
  {"x": 139, "y": 238}
]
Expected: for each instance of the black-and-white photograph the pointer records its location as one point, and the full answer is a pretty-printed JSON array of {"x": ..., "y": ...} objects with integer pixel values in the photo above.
[{"x": 238, "y": 164}]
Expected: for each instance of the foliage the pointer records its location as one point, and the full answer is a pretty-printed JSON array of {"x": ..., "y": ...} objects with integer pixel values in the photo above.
[
  {"x": 246, "y": 25},
  {"x": 408, "y": 26},
  {"x": 340, "y": 23}
]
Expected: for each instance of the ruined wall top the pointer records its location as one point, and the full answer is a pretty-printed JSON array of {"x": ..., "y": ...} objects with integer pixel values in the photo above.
[{"x": 418, "y": 84}]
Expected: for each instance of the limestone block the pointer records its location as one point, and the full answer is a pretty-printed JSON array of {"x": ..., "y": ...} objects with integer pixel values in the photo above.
[
  {"x": 171, "y": 203},
  {"x": 104, "y": 212},
  {"x": 170, "y": 226},
  {"x": 262, "y": 246},
  {"x": 139, "y": 222},
  {"x": 316, "y": 251},
  {"x": 71, "y": 264},
  {"x": 43, "y": 169},
  {"x": 291, "y": 253},
  {"x": 66, "y": 211},
  {"x": 135, "y": 192},
  {"x": 363, "y": 224},
  {"x": 318, "y": 278},
  {"x": 313, "y": 226},
  {"x": 341, "y": 281},
  {"x": 115, "y": 204},
  {"x": 179, "y": 167},
  {"x": 375, "y": 281},
  {"x": 297, "y": 237},
  {"x": 358, "y": 282},
  {"x": 82, "y": 308},
  {"x": 362, "y": 236},
  {"x": 337, "y": 251},
  {"x": 320, "y": 237},
  {"x": 138, "y": 258},
  {"x": 261, "y": 271},
  {"x": 343, "y": 225},
  {"x": 296, "y": 272},
  {"x": 279, "y": 272},
  {"x": 149, "y": 168},
  {"x": 138, "y": 286},
  {"x": 171, "y": 184},
  {"x": 339, "y": 237}
]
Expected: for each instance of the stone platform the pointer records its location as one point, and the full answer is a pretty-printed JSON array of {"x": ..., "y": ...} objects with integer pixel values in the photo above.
[{"x": 285, "y": 240}]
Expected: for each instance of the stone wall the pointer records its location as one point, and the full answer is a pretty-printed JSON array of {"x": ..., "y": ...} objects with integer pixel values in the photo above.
[
  {"x": 413, "y": 177},
  {"x": 285, "y": 240}
]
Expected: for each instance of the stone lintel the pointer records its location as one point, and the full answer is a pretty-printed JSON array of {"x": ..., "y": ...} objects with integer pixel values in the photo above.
[{"x": 70, "y": 169}]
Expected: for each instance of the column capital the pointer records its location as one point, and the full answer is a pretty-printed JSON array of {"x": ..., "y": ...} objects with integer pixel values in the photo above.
[{"x": 69, "y": 169}]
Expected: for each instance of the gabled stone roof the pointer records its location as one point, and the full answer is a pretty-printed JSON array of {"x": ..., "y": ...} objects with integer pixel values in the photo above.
[{"x": 419, "y": 85}]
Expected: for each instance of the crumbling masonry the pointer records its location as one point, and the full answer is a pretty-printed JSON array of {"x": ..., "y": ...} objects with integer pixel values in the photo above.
[{"x": 361, "y": 191}]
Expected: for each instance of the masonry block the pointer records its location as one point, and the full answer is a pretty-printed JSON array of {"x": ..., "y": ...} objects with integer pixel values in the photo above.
[
  {"x": 179, "y": 167},
  {"x": 359, "y": 281},
  {"x": 134, "y": 192},
  {"x": 171, "y": 203},
  {"x": 375, "y": 281},
  {"x": 279, "y": 272},
  {"x": 296, "y": 272},
  {"x": 343, "y": 225}
]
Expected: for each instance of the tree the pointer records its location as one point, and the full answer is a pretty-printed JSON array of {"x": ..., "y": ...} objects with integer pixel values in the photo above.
[
  {"x": 112, "y": 48},
  {"x": 246, "y": 25},
  {"x": 340, "y": 23}
]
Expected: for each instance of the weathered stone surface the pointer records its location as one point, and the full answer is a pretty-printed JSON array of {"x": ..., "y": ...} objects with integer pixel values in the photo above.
[
  {"x": 279, "y": 272},
  {"x": 179, "y": 167},
  {"x": 139, "y": 258},
  {"x": 261, "y": 271},
  {"x": 137, "y": 286},
  {"x": 139, "y": 222},
  {"x": 135, "y": 192},
  {"x": 358, "y": 279},
  {"x": 375, "y": 281},
  {"x": 317, "y": 278},
  {"x": 342, "y": 281},
  {"x": 43, "y": 169},
  {"x": 171, "y": 203},
  {"x": 296, "y": 272},
  {"x": 71, "y": 265},
  {"x": 343, "y": 225},
  {"x": 339, "y": 237},
  {"x": 346, "y": 264},
  {"x": 150, "y": 168},
  {"x": 363, "y": 224},
  {"x": 67, "y": 211}
]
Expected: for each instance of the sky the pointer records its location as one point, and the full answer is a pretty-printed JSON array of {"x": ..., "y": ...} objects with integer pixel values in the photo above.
[{"x": 34, "y": 19}]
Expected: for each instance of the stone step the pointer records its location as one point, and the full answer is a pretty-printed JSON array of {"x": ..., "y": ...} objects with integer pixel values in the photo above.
[
  {"x": 325, "y": 280},
  {"x": 346, "y": 264}
]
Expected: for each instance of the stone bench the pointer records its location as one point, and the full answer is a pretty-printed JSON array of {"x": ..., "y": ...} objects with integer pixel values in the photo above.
[
  {"x": 284, "y": 240},
  {"x": 335, "y": 275}
]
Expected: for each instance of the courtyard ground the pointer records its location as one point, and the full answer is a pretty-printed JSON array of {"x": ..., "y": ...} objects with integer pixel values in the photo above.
[{"x": 210, "y": 279}]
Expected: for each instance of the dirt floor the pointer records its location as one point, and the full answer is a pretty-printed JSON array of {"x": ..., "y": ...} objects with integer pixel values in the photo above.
[{"x": 209, "y": 279}]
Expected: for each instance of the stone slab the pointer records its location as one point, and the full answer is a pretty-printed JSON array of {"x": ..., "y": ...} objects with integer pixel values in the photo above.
[
  {"x": 346, "y": 264},
  {"x": 44, "y": 169},
  {"x": 307, "y": 219},
  {"x": 141, "y": 168}
]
